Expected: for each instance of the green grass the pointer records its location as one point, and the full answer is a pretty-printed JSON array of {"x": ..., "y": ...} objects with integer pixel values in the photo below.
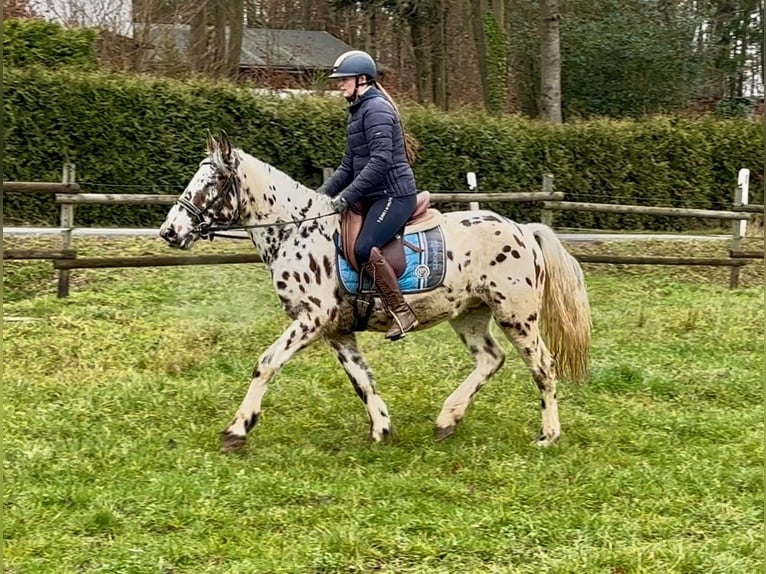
[{"x": 114, "y": 397}]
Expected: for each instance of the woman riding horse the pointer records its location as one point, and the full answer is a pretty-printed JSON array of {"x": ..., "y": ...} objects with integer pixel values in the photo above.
[{"x": 374, "y": 177}]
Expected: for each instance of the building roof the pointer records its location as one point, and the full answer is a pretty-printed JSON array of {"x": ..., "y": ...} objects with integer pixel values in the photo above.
[{"x": 261, "y": 47}]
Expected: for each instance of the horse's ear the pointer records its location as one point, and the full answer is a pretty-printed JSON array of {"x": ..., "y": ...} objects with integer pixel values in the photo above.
[
  {"x": 212, "y": 145},
  {"x": 225, "y": 146}
]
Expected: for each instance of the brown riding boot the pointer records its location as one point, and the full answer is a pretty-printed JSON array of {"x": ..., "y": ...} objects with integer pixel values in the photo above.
[{"x": 385, "y": 280}]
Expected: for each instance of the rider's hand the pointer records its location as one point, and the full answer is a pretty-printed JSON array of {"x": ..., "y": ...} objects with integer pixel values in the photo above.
[{"x": 339, "y": 203}]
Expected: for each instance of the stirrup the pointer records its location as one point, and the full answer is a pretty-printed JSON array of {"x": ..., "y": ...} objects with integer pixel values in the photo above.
[{"x": 402, "y": 332}]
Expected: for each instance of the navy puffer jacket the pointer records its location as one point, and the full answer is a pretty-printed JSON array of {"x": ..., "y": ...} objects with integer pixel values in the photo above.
[{"x": 375, "y": 162}]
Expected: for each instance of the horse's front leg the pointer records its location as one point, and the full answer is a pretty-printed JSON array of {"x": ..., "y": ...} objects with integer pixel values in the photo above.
[
  {"x": 298, "y": 335},
  {"x": 360, "y": 375}
]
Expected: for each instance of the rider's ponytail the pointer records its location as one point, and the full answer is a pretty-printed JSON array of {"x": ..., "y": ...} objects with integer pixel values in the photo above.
[{"x": 411, "y": 145}]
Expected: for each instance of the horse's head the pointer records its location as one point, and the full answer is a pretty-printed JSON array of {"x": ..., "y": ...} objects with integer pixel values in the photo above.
[{"x": 210, "y": 199}]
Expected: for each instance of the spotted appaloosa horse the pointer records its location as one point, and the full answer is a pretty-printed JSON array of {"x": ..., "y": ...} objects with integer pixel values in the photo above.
[{"x": 520, "y": 276}]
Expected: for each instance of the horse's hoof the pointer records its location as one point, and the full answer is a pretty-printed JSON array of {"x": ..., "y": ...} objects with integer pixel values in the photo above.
[
  {"x": 383, "y": 435},
  {"x": 444, "y": 432},
  {"x": 543, "y": 441},
  {"x": 231, "y": 442}
]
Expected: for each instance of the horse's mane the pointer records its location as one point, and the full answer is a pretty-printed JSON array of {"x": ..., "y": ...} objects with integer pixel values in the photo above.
[{"x": 265, "y": 174}]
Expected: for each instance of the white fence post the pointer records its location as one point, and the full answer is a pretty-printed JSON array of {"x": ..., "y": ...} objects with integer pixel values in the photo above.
[
  {"x": 473, "y": 186},
  {"x": 66, "y": 222},
  {"x": 739, "y": 227}
]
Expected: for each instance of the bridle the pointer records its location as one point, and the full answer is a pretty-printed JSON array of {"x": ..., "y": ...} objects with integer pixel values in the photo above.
[{"x": 232, "y": 185}]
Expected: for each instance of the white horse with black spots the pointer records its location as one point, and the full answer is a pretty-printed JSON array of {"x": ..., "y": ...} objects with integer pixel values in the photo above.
[{"x": 519, "y": 275}]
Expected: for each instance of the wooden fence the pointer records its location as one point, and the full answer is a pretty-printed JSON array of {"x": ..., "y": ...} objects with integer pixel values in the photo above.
[
  {"x": 738, "y": 229},
  {"x": 68, "y": 194}
]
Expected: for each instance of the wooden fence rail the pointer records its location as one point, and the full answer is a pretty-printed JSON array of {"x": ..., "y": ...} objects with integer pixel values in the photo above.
[
  {"x": 40, "y": 187},
  {"x": 746, "y": 254},
  {"x": 68, "y": 194},
  {"x": 116, "y": 199},
  {"x": 660, "y": 260},
  {"x": 155, "y": 261},
  {"x": 441, "y": 197},
  {"x": 509, "y": 197},
  {"x": 27, "y": 254},
  {"x": 644, "y": 210},
  {"x": 749, "y": 208}
]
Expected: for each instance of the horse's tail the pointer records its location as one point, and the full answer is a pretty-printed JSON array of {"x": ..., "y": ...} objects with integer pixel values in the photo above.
[{"x": 565, "y": 314}]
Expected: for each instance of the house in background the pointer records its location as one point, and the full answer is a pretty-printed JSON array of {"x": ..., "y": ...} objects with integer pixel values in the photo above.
[
  {"x": 146, "y": 35},
  {"x": 277, "y": 58}
]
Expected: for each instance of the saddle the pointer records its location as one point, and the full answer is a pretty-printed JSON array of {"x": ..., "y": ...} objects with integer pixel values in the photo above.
[{"x": 424, "y": 217}]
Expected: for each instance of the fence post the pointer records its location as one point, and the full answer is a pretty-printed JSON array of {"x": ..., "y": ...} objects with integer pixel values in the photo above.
[
  {"x": 473, "y": 186},
  {"x": 326, "y": 173},
  {"x": 66, "y": 222},
  {"x": 546, "y": 216},
  {"x": 739, "y": 226}
]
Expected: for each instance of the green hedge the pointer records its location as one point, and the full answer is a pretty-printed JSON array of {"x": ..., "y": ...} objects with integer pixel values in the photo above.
[
  {"x": 39, "y": 42},
  {"x": 132, "y": 134}
]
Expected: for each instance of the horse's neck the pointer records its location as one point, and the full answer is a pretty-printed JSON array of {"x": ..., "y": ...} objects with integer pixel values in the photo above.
[{"x": 271, "y": 196}]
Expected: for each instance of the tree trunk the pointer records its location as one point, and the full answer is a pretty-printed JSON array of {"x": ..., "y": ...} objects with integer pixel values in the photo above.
[
  {"x": 497, "y": 56},
  {"x": 198, "y": 38},
  {"x": 306, "y": 15},
  {"x": 479, "y": 8},
  {"x": 550, "y": 62},
  {"x": 418, "y": 22},
  {"x": 400, "y": 46},
  {"x": 218, "y": 63},
  {"x": 254, "y": 16},
  {"x": 371, "y": 38},
  {"x": 722, "y": 40},
  {"x": 439, "y": 54},
  {"x": 236, "y": 33},
  {"x": 760, "y": 60}
]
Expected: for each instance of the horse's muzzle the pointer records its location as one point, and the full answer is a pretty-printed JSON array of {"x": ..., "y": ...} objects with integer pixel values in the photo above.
[
  {"x": 173, "y": 239},
  {"x": 169, "y": 234}
]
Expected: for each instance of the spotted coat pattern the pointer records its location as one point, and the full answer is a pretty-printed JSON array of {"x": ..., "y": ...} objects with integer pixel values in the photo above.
[{"x": 518, "y": 276}]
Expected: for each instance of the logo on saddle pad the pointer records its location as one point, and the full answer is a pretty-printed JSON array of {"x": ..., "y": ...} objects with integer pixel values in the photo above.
[{"x": 425, "y": 265}]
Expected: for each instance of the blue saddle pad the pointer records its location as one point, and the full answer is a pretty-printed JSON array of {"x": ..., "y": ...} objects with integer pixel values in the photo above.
[{"x": 423, "y": 271}]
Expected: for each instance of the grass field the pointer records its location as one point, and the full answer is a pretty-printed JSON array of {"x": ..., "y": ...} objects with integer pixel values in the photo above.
[{"x": 114, "y": 398}]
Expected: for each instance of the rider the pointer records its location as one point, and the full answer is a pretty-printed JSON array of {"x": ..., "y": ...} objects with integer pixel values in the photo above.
[{"x": 375, "y": 172}]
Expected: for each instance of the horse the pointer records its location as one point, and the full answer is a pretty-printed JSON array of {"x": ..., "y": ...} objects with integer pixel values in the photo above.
[{"x": 518, "y": 276}]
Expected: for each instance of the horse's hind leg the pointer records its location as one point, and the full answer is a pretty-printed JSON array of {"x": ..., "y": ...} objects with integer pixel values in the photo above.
[
  {"x": 522, "y": 329},
  {"x": 473, "y": 330},
  {"x": 360, "y": 375}
]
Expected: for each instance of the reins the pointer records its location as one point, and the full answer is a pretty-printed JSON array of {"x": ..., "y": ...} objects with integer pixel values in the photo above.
[{"x": 210, "y": 231}]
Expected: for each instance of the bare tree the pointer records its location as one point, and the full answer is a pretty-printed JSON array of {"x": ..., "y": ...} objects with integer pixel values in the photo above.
[
  {"x": 198, "y": 44},
  {"x": 417, "y": 17},
  {"x": 439, "y": 56},
  {"x": 218, "y": 49},
  {"x": 454, "y": 52},
  {"x": 550, "y": 62},
  {"x": 112, "y": 15},
  {"x": 17, "y": 9},
  {"x": 479, "y": 8},
  {"x": 216, "y": 30},
  {"x": 491, "y": 51},
  {"x": 236, "y": 18}
]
